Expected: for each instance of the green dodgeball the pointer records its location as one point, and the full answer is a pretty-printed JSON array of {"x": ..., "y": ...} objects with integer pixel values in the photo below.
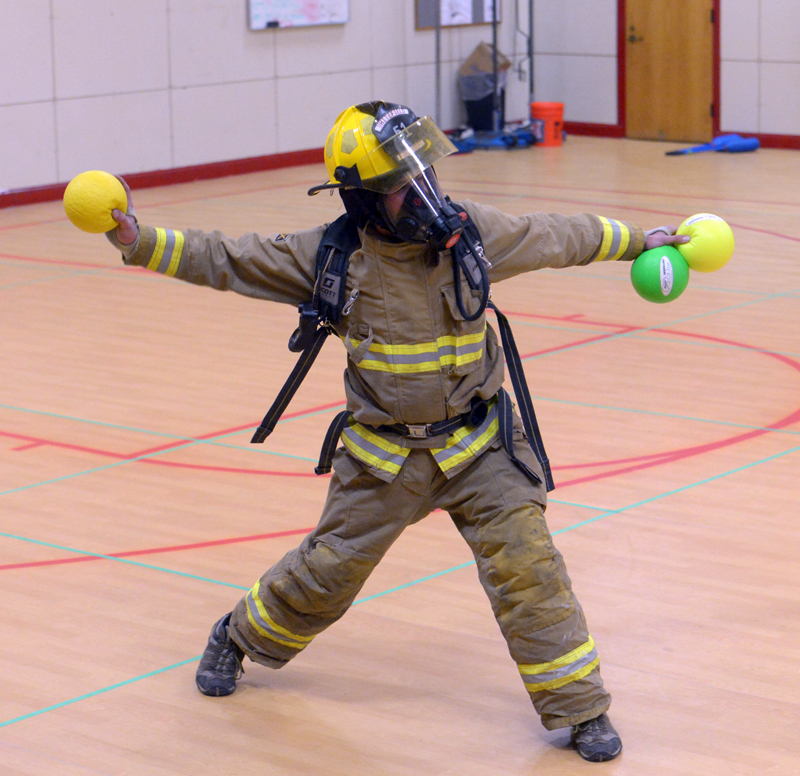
[{"x": 660, "y": 274}]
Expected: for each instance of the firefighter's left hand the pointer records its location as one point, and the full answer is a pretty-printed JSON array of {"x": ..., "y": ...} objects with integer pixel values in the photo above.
[{"x": 663, "y": 235}]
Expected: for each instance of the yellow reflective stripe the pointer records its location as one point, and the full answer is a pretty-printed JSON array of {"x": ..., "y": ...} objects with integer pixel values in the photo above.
[
  {"x": 161, "y": 242},
  {"x": 378, "y": 440},
  {"x": 177, "y": 250},
  {"x": 167, "y": 252},
  {"x": 460, "y": 360},
  {"x": 398, "y": 359},
  {"x": 473, "y": 449},
  {"x": 564, "y": 660},
  {"x": 566, "y": 669},
  {"x": 275, "y": 629},
  {"x": 401, "y": 350},
  {"x": 379, "y": 445},
  {"x": 616, "y": 238},
  {"x": 560, "y": 682},
  {"x": 427, "y": 347},
  {"x": 385, "y": 366}
]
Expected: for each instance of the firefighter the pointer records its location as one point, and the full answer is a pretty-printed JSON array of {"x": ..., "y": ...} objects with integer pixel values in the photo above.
[{"x": 429, "y": 424}]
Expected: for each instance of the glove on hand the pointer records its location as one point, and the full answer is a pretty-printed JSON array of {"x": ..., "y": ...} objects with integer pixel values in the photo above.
[
  {"x": 128, "y": 228},
  {"x": 663, "y": 235}
]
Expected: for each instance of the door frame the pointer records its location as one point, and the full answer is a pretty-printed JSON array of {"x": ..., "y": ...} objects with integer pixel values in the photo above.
[{"x": 619, "y": 129}]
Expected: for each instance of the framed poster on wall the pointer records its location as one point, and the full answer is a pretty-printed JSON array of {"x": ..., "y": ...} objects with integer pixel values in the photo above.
[
  {"x": 455, "y": 13},
  {"x": 273, "y": 14}
]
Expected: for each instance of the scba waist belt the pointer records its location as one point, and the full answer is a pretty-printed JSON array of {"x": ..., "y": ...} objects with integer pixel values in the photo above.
[{"x": 476, "y": 415}]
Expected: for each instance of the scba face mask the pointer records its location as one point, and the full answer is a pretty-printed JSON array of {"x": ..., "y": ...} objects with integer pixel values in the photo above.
[{"x": 425, "y": 215}]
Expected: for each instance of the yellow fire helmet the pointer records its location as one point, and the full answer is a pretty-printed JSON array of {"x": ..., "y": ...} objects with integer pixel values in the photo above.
[{"x": 381, "y": 146}]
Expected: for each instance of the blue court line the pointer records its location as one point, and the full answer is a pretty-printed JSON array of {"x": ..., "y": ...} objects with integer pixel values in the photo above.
[
  {"x": 667, "y": 415},
  {"x": 597, "y": 328},
  {"x": 594, "y": 519},
  {"x": 103, "y": 468},
  {"x": 144, "y": 457},
  {"x": 86, "y": 553},
  {"x": 573, "y": 504},
  {"x": 666, "y": 324},
  {"x": 415, "y": 582},
  {"x": 678, "y": 490},
  {"x": 99, "y": 692},
  {"x": 409, "y": 584},
  {"x": 178, "y": 437}
]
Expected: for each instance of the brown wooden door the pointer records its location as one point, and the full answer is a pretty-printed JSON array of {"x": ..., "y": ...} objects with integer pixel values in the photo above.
[{"x": 669, "y": 66}]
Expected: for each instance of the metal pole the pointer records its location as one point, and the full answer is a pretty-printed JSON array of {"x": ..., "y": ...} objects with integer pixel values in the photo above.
[
  {"x": 496, "y": 101},
  {"x": 530, "y": 50},
  {"x": 439, "y": 62}
]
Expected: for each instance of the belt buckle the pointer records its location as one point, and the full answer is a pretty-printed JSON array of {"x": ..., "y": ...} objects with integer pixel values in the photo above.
[{"x": 419, "y": 432}]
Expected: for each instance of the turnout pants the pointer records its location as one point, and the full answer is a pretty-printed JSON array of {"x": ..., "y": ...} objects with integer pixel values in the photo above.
[{"x": 491, "y": 505}]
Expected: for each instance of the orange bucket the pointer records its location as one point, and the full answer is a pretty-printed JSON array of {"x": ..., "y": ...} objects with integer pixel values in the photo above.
[{"x": 548, "y": 122}]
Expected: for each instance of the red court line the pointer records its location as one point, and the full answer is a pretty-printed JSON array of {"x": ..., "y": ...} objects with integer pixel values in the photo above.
[
  {"x": 231, "y": 469},
  {"x": 625, "y": 192},
  {"x": 78, "y": 264},
  {"x": 155, "y": 550},
  {"x": 598, "y": 338},
  {"x": 177, "y": 445},
  {"x": 624, "y": 206},
  {"x": 638, "y": 463},
  {"x": 649, "y": 461}
]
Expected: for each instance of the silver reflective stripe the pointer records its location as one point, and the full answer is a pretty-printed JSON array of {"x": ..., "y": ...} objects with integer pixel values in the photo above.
[
  {"x": 372, "y": 452},
  {"x": 267, "y": 629},
  {"x": 560, "y": 676},
  {"x": 616, "y": 239},
  {"x": 397, "y": 359},
  {"x": 169, "y": 247},
  {"x": 425, "y": 357},
  {"x": 470, "y": 444},
  {"x": 167, "y": 252}
]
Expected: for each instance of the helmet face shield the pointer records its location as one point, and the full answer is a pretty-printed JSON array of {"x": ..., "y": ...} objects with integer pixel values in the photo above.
[{"x": 404, "y": 156}]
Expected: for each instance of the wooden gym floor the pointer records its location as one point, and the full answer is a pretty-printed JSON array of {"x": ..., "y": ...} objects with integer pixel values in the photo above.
[{"x": 134, "y": 513}]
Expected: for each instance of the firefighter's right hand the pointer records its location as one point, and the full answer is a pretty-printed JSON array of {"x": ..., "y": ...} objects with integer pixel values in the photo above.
[{"x": 126, "y": 235}]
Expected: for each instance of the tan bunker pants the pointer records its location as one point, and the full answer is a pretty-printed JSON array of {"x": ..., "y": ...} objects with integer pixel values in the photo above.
[{"x": 521, "y": 571}]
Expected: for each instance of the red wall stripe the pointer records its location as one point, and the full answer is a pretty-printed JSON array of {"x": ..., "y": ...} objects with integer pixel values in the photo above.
[{"x": 144, "y": 180}]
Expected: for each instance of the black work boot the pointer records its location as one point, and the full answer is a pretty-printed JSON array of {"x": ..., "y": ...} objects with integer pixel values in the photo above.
[
  {"x": 596, "y": 740},
  {"x": 221, "y": 664}
]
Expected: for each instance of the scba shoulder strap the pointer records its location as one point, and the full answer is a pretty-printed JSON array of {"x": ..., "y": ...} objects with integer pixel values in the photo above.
[{"x": 318, "y": 315}]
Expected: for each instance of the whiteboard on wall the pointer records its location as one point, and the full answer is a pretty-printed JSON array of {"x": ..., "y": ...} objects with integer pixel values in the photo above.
[
  {"x": 272, "y": 14},
  {"x": 454, "y": 13}
]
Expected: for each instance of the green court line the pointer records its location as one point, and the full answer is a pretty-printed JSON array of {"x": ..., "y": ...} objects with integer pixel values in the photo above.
[
  {"x": 597, "y": 328},
  {"x": 99, "y": 692},
  {"x": 678, "y": 490},
  {"x": 178, "y": 437},
  {"x": 666, "y": 324},
  {"x": 86, "y": 553},
  {"x": 415, "y": 582},
  {"x": 667, "y": 415},
  {"x": 143, "y": 457},
  {"x": 96, "y": 469},
  {"x": 573, "y": 504},
  {"x": 594, "y": 519},
  {"x": 405, "y": 586},
  {"x": 410, "y": 584}
]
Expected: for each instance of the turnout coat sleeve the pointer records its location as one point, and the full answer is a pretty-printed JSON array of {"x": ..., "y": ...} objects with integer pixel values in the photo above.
[
  {"x": 516, "y": 244},
  {"x": 279, "y": 268}
]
